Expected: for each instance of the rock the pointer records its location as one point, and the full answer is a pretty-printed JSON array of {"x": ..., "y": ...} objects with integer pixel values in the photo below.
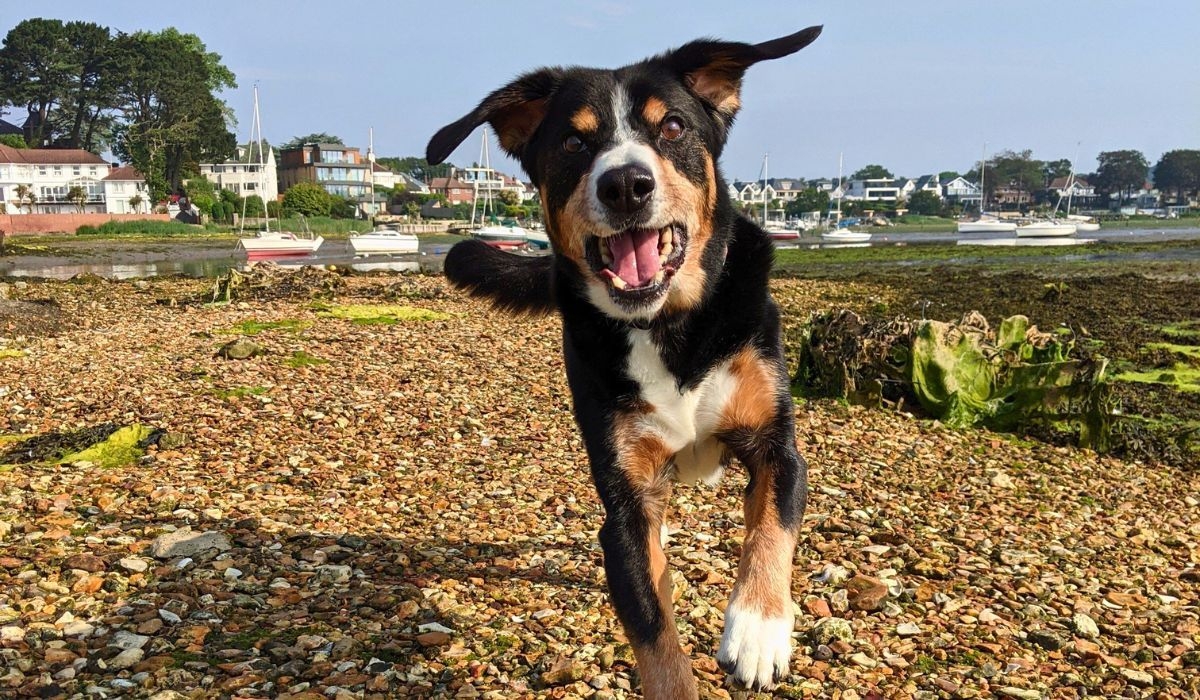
[
  {"x": 134, "y": 564},
  {"x": 1020, "y": 693},
  {"x": 832, "y": 574},
  {"x": 839, "y": 600},
  {"x": 11, "y": 634},
  {"x": 186, "y": 543},
  {"x": 865, "y": 593},
  {"x": 240, "y": 349},
  {"x": 128, "y": 640},
  {"x": 85, "y": 562},
  {"x": 908, "y": 629},
  {"x": 1047, "y": 639},
  {"x": 818, "y": 607},
  {"x": 433, "y": 639},
  {"x": 125, "y": 659},
  {"x": 831, "y": 629},
  {"x": 1003, "y": 481},
  {"x": 334, "y": 573},
  {"x": 1139, "y": 678},
  {"x": 562, "y": 672},
  {"x": 169, "y": 617},
  {"x": 1085, "y": 626},
  {"x": 78, "y": 628},
  {"x": 863, "y": 660}
]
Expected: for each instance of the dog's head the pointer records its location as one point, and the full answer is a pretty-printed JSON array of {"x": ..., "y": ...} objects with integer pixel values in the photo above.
[{"x": 625, "y": 163}]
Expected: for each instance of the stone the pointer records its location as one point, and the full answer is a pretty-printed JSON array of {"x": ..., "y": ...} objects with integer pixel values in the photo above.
[
  {"x": 128, "y": 640},
  {"x": 1085, "y": 626},
  {"x": 240, "y": 349},
  {"x": 85, "y": 562},
  {"x": 169, "y": 617},
  {"x": 433, "y": 639},
  {"x": 125, "y": 659},
  {"x": 1047, "y": 639},
  {"x": 831, "y": 629},
  {"x": 333, "y": 573},
  {"x": 1020, "y": 693},
  {"x": 134, "y": 564},
  {"x": 1139, "y": 678},
  {"x": 11, "y": 634},
  {"x": 865, "y": 593},
  {"x": 908, "y": 629},
  {"x": 186, "y": 543}
]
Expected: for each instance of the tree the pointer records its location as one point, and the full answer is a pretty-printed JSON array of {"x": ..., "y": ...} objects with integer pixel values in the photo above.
[
  {"x": 871, "y": 172},
  {"x": 1120, "y": 172},
  {"x": 25, "y": 197},
  {"x": 306, "y": 198},
  {"x": 947, "y": 175},
  {"x": 416, "y": 167},
  {"x": 1016, "y": 170},
  {"x": 78, "y": 196},
  {"x": 924, "y": 203},
  {"x": 253, "y": 206},
  {"x": 1054, "y": 169},
  {"x": 807, "y": 200},
  {"x": 172, "y": 119},
  {"x": 321, "y": 137},
  {"x": 508, "y": 198},
  {"x": 1178, "y": 170},
  {"x": 13, "y": 140},
  {"x": 135, "y": 203},
  {"x": 34, "y": 72}
]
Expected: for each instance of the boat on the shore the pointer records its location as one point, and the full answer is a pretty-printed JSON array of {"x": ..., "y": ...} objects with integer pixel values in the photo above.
[
  {"x": 987, "y": 223},
  {"x": 1047, "y": 228},
  {"x": 383, "y": 241},
  {"x": 845, "y": 236},
  {"x": 537, "y": 238},
  {"x": 499, "y": 236},
  {"x": 1083, "y": 223}
]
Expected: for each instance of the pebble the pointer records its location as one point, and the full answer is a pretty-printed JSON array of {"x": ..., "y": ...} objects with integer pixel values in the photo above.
[
  {"x": 908, "y": 629},
  {"x": 1139, "y": 678},
  {"x": 830, "y": 629},
  {"x": 186, "y": 543},
  {"x": 135, "y": 564},
  {"x": 127, "y": 640},
  {"x": 125, "y": 659},
  {"x": 1085, "y": 626}
]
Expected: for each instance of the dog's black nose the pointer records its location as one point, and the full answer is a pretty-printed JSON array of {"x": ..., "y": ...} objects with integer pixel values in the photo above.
[{"x": 626, "y": 189}]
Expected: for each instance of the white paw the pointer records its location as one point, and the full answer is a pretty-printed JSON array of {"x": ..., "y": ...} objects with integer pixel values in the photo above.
[{"x": 756, "y": 651}]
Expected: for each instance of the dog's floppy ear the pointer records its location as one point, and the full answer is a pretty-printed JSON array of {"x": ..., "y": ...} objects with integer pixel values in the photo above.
[
  {"x": 514, "y": 111},
  {"x": 713, "y": 70}
]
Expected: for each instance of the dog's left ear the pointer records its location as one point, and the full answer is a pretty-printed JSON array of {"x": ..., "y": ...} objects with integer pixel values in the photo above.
[
  {"x": 515, "y": 111},
  {"x": 713, "y": 70}
]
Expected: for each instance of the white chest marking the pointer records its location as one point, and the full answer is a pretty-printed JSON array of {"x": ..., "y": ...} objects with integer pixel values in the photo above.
[{"x": 684, "y": 420}]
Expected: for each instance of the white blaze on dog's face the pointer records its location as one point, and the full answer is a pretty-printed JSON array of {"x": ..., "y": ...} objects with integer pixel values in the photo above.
[{"x": 625, "y": 163}]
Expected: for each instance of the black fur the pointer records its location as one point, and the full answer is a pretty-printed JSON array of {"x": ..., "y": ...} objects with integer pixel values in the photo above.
[{"x": 514, "y": 283}]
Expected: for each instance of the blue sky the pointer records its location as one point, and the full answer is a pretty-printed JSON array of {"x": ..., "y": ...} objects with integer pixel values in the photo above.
[{"x": 915, "y": 86}]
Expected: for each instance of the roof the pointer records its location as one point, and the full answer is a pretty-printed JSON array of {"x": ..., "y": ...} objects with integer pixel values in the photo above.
[
  {"x": 1060, "y": 183},
  {"x": 49, "y": 156},
  {"x": 442, "y": 183},
  {"x": 377, "y": 168},
  {"x": 8, "y": 128},
  {"x": 125, "y": 172}
]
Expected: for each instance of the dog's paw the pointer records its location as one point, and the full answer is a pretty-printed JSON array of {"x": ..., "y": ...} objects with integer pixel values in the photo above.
[{"x": 756, "y": 651}]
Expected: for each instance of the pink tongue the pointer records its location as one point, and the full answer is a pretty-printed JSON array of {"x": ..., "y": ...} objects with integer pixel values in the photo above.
[{"x": 635, "y": 256}]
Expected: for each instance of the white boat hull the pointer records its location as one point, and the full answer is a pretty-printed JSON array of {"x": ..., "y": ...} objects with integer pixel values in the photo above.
[
  {"x": 537, "y": 239},
  {"x": 279, "y": 246},
  {"x": 402, "y": 244},
  {"x": 846, "y": 237},
  {"x": 1046, "y": 229},
  {"x": 986, "y": 227}
]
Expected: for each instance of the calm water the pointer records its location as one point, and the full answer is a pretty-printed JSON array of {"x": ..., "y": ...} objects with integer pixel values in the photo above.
[{"x": 432, "y": 256}]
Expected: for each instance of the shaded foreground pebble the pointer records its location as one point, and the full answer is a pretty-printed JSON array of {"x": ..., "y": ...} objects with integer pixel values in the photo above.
[{"x": 414, "y": 518}]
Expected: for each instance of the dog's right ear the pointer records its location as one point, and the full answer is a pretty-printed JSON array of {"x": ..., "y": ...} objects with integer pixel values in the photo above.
[{"x": 515, "y": 111}]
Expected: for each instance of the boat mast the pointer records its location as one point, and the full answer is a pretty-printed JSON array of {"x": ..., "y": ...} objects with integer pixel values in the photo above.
[
  {"x": 982, "y": 168},
  {"x": 764, "y": 189},
  {"x": 371, "y": 164},
  {"x": 256, "y": 142},
  {"x": 1071, "y": 179},
  {"x": 841, "y": 191}
]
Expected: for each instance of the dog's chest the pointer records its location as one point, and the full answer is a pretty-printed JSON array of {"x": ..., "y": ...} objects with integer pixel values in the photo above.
[{"x": 683, "y": 420}]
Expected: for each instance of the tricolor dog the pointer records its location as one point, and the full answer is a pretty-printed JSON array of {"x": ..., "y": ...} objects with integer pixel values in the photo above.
[{"x": 671, "y": 339}]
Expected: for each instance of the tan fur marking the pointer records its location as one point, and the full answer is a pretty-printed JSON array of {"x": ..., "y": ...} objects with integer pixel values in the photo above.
[
  {"x": 715, "y": 84},
  {"x": 764, "y": 580},
  {"x": 515, "y": 126},
  {"x": 654, "y": 111},
  {"x": 585, "y": 120},
  {"x": 571, "y": 224},
  {"x": 698, "y": 207},
  {"x": 665, "y": 670},
  {"x": 753, "y": 402}
]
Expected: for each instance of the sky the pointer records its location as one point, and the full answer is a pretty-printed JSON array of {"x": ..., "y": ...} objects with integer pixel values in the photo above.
[{"x": 918, "y": 87}]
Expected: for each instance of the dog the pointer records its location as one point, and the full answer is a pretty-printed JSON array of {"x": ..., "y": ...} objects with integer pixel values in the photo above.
[{"x": 671, "y": 339}]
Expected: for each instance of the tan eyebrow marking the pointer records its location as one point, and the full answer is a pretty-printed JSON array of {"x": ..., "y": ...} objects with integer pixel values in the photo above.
[
  {"x": 585, "y": 120},
  {"x": 654, "y": 111}
]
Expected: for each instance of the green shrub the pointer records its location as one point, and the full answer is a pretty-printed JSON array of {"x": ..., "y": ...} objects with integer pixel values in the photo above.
[
  {"x": 141, "y": 226},
  {"x": 86, "y": 230}
]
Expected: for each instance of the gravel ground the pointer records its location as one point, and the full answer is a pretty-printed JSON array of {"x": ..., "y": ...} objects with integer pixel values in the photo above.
[{"x": 413, "y": 517}]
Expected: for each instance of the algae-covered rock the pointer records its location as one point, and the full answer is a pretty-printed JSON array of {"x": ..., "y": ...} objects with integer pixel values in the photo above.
[
  {"x": 122, "y": 447},
  {"x": 240, "y": 349}
]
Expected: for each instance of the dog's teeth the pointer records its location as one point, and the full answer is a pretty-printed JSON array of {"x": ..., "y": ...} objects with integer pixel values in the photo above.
[
  {"x": 618, "y": 282},
  {"x": 666, "y": 250},
  {"x": 659, "y": 277},
  {"x": 604, "y": 254},
  {"x": 666, "y": 236},
  {"x": 662, "y": 260}
]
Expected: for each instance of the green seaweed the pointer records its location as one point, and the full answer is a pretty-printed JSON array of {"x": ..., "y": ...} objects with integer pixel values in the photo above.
[
  {"x": 254, "y": 327},
  {"x": 240, "y": 392},
  {"x": 8, "y": 353},
  {"x": 1184, "y": 329},
  {"x": 303, "y": 359},
  {"x": 122, "y": 447},
  {"x": 385, "y": 314},
  {"x": 1181, "y": 377}
]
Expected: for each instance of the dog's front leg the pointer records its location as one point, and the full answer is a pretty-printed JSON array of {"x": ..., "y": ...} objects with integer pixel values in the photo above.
[
  {"x": 632, "y": 478},
  {"x": 756, "y": 647}
]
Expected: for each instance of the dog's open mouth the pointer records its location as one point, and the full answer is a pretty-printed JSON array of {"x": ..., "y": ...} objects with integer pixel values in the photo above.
[{"x": 638, "y": 263}]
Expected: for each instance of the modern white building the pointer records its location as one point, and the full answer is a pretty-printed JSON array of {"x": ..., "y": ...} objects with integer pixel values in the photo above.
[
  {"x": 126, "y": 192},
  {"x": 244, "y": 175},
  {"x": 49, "y": 174}
]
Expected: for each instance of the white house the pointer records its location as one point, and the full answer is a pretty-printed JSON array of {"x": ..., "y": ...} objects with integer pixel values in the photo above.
[
  {"x": 243, "y": 175},
  {"x": 926, "y": 183},
  {"x": 122, "y": 185},
  {"x": 48, "y": 174},
  {"x": 878, "y": 189},
  {"x": 961, "y": 191},
  {"x": 1077, "y": 189}
]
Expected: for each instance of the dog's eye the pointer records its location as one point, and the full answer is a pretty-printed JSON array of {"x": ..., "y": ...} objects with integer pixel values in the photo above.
[
  {"x": 671, "y": 129},
  {"x": 573, "y": 144}
]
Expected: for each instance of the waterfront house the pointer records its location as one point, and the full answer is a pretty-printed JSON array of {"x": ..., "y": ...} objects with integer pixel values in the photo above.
[
  {"x": 49, "y": 174},
  {"x": 1080, "y": 192},
  {"x": 926, "y": 183},
  {"x": 453, "y": 189},
  {"x": 246, "y": 173},
  {"x": 341, "y": 170},
  {"x": 123, "y": 184},
  {"x": 876, "y": 189},
  {"x": 961, "y": 191}
]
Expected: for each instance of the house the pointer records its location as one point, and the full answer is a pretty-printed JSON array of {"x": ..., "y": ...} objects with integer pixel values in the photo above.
[
  {"x": 341, "y": 170},
  {"x": 1078, "y": 190},
  {"x": 926, "y": 183},
  {"x": 877, "y": 189},
  {"x": 1010, "y": 196},
  {"x": 453, "y": 189},
  {"x": 49, "y": 174},
  {"x": 411, "y": 184},
  {"x": 10, "y": 129},
  {"x": 246, "y": 173},
  {"x": 961, "y": 191},
  {"x": 382, "y": 177},
  {"x": 122, "y": 185}
]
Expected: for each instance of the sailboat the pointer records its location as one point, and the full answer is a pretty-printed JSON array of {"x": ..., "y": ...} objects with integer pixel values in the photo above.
[
  {"x": 843, "y": 234},
  {"x": 267, "y": 243},
  {"x": 986, "y": 223},
  {"x": 1082, "y": 223},
  {"x": 383, "y": 240},
  {"x": 774, "y": 229},
  {"x": 495, "y": 234}
]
